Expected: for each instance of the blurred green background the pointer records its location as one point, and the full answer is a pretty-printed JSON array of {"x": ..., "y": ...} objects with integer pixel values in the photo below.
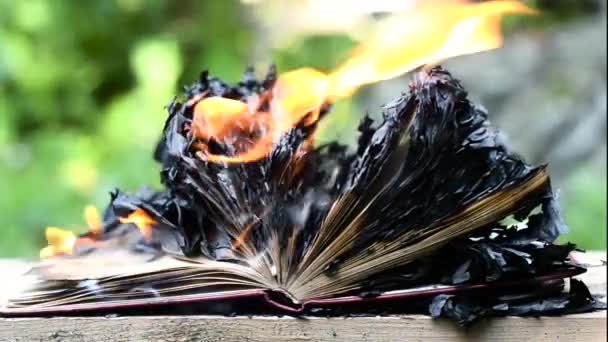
[{"x": 83, "y": 85}]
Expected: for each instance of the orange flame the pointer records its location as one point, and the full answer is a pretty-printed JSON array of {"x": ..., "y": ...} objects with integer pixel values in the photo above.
[
  {"x": 429, "y": 33},
  {"x": 62, "y": 242},
  {"x": 93, "y": 219},
  {"x": 142, "y": 220}
]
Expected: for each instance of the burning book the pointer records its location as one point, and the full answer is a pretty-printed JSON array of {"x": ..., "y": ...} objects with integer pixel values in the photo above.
[{"x": 429, "y": 211}]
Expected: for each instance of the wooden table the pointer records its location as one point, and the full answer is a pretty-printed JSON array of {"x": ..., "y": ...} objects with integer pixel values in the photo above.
[{"x": 583, "y": 327}]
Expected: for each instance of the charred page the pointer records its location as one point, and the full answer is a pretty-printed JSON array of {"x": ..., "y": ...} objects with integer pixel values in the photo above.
[{"x": 429, "y": 204}]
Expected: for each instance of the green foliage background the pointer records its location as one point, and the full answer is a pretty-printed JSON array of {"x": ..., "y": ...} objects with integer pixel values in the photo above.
[{"x": 82, "y": 90}]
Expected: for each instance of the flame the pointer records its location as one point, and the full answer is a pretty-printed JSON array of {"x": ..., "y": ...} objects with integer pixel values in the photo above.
[
  {"x": 217, "y": 116},
  {"x": 62, "y": 242},
  {"x": 142, "y": 220},
  {"x": 431, "y": 32},
  {"x": 427, "y": 34},
  {"x": 93, "y": 219}
]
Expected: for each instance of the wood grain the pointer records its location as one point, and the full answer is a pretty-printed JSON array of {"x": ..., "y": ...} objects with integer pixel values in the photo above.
[{"x": 583, "y": 327}]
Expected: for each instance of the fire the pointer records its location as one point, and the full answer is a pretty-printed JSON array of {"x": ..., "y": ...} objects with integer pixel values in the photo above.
[
  {"x": 142, "y": 220},
  {"x": 217, "y": 116},
  {"x": 429, "y": 33},
  {"x": 93, "y": 219},
  {"x": 62, "y": 242}
]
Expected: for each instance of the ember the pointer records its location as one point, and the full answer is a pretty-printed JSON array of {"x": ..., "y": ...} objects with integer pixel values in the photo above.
[{"x": 252, "y": 209}]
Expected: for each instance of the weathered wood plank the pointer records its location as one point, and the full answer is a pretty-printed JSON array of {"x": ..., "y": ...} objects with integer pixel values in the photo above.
[{"x": 584, "y": 327}]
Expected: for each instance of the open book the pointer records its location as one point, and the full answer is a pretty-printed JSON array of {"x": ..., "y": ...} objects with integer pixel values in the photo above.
[{"x": 430, "y": 202}]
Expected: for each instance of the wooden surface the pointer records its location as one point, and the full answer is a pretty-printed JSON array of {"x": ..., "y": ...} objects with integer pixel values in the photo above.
[{"x": 583, "y": 327}]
